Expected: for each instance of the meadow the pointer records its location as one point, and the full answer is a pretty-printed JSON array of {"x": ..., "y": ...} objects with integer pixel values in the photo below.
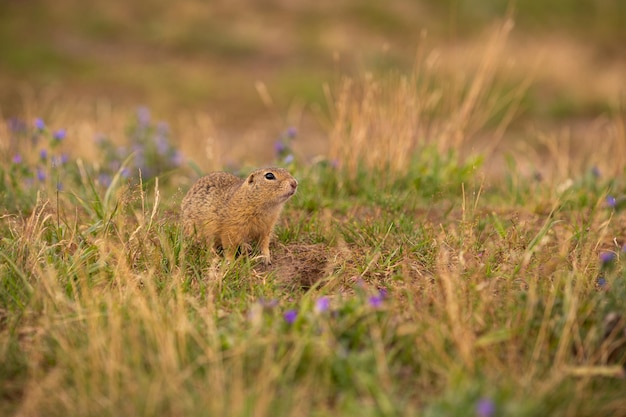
[{"x": 437, "y": 260}]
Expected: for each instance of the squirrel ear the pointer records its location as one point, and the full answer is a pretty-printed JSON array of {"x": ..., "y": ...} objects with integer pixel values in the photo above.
[{"x": 251, "y": 179}]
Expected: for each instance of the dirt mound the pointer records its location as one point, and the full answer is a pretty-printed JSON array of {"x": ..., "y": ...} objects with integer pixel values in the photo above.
[{"x": 301, "y": 266}]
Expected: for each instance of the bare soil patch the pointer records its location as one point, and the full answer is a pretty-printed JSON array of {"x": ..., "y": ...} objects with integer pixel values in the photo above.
[{"x": 301, "y": 265}]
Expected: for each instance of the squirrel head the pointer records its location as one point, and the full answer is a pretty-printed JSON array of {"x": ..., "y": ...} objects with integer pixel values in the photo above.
[{"x": 273, "y": 185}]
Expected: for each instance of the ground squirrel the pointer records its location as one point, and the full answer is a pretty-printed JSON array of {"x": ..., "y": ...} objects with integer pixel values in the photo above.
[{"x": 227, "y": 211}]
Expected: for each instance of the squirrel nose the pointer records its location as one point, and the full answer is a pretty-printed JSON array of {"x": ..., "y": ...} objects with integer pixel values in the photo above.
[{"x": 294, "y": 184}]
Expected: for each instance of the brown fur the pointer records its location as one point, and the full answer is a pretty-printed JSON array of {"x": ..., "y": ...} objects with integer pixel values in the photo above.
[{"x": 228, "y": 211}]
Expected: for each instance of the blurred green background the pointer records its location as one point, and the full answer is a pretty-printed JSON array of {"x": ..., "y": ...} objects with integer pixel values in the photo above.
[{"x": 209, "y": 55}]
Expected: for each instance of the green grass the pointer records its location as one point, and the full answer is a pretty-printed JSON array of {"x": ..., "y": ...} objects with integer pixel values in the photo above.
[{"x": 110, "y": 311}]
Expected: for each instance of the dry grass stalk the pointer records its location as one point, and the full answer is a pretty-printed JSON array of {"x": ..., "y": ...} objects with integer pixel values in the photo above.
[{"x": 380, "y": 124}]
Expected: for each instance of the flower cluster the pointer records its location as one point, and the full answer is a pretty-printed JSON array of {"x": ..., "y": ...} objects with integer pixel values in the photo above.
[
  {"x": 610, "y": 262},
  {"x": 38, "y": 157},
  {"x": 485, "y": 407},
  {"x": 149, "y": 150},
  {"x": 367, "y": 302},
  {"x": 282, "y": 147}
]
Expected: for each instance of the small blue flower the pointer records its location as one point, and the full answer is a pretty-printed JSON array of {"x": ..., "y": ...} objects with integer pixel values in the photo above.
[
  {"x": 163, "y": 129},
  {"x": 601, "y": 282},
  {"x": 290, "y": 316},
  {"x": 43, "y": 154},
  {"x": 161, "y": 144},
  {"x": 100, "y": 139},
  {"x": 162, "y": 133},
  {"x": 485, "y": 408},
  {"x": 322, "y": 304},
  {"x": 288, "y": 159},
  {"x": 114, "y": 165},
  {"x": 59, "y": 135},
  {"x": 16, "y": 125},
  {"x": 125, "y": 172},
  {"x": 177, "y": 159},
  {"x": 610, "y": 201},
  {"x": 595, "y": 171},
  {"x": 60, "y": 160},
  {"x": 140, "y": 160},
  {"x": 279, "y": 147},
  {"x": 376, "y": 301},
  {"x": 104, "y": 180},
  {"x": 39, "y": 124},
  {"x": 41, "y": 174},
  {"x": 607, "y": 257},
  {"x": 17, "y": 158},
  {"x": 292, "y": 132},
  {"x": 143, "y": 116}
]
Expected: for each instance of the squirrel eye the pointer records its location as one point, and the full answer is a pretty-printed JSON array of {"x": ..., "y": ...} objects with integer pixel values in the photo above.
[{"x": 270, "y": 176}]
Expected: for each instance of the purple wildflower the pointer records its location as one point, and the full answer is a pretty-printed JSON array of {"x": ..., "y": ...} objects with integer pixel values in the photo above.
[
  {"x": 610, "y": 201},
  {"x": 290, "y": 316},
  {"x": 162, "y": 144},
  {"x": 60, "y": 160},
  {"x": 143, "y": 116},
  {"x": 100, "y": 139},
  {"x": 376, "y": 301},
  {"x": 607, "y": 257},
  {"x": 358, "y": 280},
  {"x": 59, "y": 135},
  {"x": 16, "y": 125},
  {"x": 595, "y": 171},
  {"x": 291, "y": 132},
  {"x": 41, "y": 174},
  {"x": 39, "y": 124},
  {"x": 601, "y": 282},
  {"x": 163, "y": 129},
  {"x": 288, "y": 159},
  {"x": 125, "y": 172},
  {"x": 104, "y": 180},
  {"x": 485, "y": 408},
  {"x": 279, "y": 147},
  {"x": 140, "y": 160},
  {"x": 43, "y": 154},
  {"x": 17, "y": 158},
  {"x": 322, "y": 304},
  {"x": 177, "y": 159},
  {"x": 162, "y": 133}
]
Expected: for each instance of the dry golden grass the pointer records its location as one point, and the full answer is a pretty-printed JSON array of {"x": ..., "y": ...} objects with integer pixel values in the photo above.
[
  {"x": 381, "y": 123},
  {"x": 492, "y": 288}
]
